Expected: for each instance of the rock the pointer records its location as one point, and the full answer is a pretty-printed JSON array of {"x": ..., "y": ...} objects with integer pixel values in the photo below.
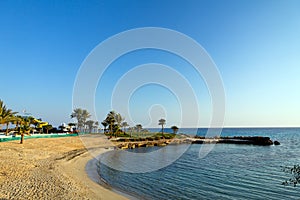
[{"x": 276, "y": 143}]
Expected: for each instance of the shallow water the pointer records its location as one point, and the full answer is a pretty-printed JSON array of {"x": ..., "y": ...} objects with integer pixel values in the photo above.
[{"x": 228, "y": 172}]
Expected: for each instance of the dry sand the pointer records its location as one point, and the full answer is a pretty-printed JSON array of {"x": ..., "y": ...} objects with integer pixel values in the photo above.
[{"x": 51, "y": 168}]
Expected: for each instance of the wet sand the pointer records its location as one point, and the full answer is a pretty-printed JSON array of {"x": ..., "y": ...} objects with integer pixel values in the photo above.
[{"x": 52, "y": 168}]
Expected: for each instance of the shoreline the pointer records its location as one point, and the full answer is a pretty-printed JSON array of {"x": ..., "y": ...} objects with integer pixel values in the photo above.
[
  {"x": 91, "y": 170},
  {"x": 51, "y": 168},
  {"x": 56, "y": 168}
]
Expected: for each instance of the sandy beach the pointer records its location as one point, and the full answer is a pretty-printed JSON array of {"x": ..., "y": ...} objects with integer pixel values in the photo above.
[{"x": 51, "y": 168}]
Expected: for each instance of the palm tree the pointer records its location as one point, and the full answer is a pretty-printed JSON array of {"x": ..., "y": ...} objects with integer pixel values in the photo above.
[
  {"x": 90, "y": 124},
  {"x": 104, "y": 124},
  {"x": 85, "y": 116},
  {"x": 139, "y": 127},
  {"x": 77, "y": 113},
  {"x": 119, "y": 119},
  {"x": 124, "y": 125},
  {"x": 175, "y": 129},
  {"x": 110, "y": 119},
  {"x": 96, "y": 126},
  {"x": 25, "y": 128},
  {"x": 2, "y": 110},
  {"x": 9, "y": 118},
  {"x": 131, "y": 129},
  {"x": 30, "y": 121},
  {"x": 162, "y": 122},
  {"x": 81, "y": 115},
  {"x": 17, "y": 121},
  {"x": 48, "y": 127},
  {"x": 6, "y": 116}
]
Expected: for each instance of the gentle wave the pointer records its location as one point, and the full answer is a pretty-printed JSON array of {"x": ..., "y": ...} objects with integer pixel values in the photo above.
[{"x": 228, "y": 172}]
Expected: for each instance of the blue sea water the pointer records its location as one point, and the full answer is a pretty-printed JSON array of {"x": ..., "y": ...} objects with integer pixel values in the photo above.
[{"x": 229, "y": 171}]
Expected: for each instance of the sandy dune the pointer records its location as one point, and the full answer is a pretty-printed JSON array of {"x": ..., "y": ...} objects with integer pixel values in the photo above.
[{"x": 51, "y": 168}]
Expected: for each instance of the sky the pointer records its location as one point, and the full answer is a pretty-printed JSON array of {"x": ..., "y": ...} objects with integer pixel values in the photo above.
[{"x": 254, "y": 44}]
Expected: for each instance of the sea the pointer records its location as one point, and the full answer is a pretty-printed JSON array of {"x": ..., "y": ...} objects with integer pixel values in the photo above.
[{"x": 227, "y": 171}]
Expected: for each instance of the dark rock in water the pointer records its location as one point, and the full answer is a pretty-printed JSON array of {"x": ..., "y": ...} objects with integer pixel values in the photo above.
[
  {"x": 276, "y": 143},
  {"x": 254, "y": 140}
]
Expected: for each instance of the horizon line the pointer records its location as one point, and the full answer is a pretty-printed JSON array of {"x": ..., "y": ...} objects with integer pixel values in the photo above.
[{"x": 237, "y": 127}]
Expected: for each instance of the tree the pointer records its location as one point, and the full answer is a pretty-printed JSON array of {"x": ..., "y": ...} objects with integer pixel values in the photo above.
[
  {"x": 111, "y": 119},
  {"x": 81, "y": 115},
  {"x": 77, "y": 113},
  {"x": 2, "y": 110},
  {"x": 131, "y": 129},
  {"x": 104, "y": 124},
  {"x": 139, "y": 127},
  {"x": 90, "y": 124},
  {"x": 9, "y": 118},
  {"x": 119, "y": 119},
  {"x": 30, "y": 120},
  {"x": 48, "y": 128},
  {"x": 96, "y": 126},
  {"x": 17, "y": 121},
  {"x": 175, "y": 129},
  {"x": 162, "y": 122},
  {"x": 24, "y": 128},
  {"x": 85, "y": 116},
  {"x": 124, "y": 125},
  {"x": 6, "y": 116}
]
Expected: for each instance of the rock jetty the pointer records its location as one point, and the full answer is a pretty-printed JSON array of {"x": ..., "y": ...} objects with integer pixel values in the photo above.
[{"x": 131, "y": 143}]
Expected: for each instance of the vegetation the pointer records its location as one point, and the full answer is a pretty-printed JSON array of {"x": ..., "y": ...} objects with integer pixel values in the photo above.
[
  {"x": 110, "y": 119},
  {"x": 48, "y": 128},
  {"x": 104, "y": 124},
  {"x": 81, "y": 115},
  {"x": 124, "y": 125},
  {"x": 22, "y": 123},
  {"x": 25, "y": 128},
  {"x": 139, "y": 127},
  {"x": 114, "y": 124},
  {"x": 114, "y": 121},
  {"x": 96, "y": 126},
  {"x": 90, "y": 125},
  {"x": 162, "y": 122},
  {"x": 131, "y": 129},
  {"x": 119, "y": 119},
  {"x": 165, "y": 136},
  {"x": 175, "y": 129},
  {"x": 7, "y": 116}
]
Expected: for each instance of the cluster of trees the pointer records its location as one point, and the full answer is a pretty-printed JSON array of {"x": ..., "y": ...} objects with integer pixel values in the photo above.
[
  {"x": 22, "y": 123},
  {"x": 113, "y": 121},
  {"x": 84, "y": 124},
  {"x": 114, "y": 124},
  {"x": 7, "y": 116}
]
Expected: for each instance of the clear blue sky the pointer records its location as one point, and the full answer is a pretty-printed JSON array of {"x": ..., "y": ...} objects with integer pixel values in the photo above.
[{"x": 254, "y": 43}]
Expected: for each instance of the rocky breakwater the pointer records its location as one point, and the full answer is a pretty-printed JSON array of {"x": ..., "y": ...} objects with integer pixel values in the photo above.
[
  {"x": 249, "y": 140},
  {"x": 131, "y": 143},
  {"x": 256, "y": 140}
]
